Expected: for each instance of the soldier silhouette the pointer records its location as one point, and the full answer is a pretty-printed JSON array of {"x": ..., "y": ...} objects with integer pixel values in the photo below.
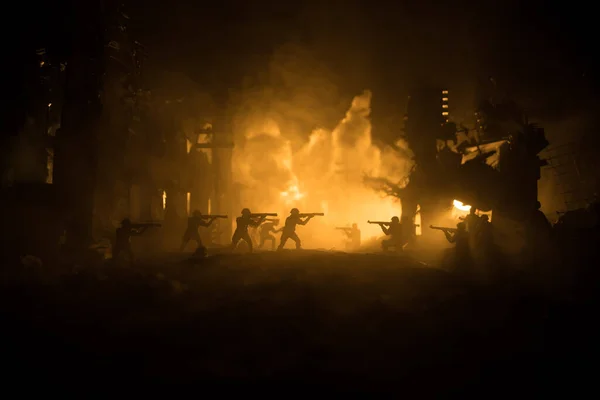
[
  {"x": 395, "y": 232},
  {"x": 289, "y": 229},
  {"x": 241, "y": 230},
  {"x": 353, "y": 234},
  {"x": 266, "y": 233},
  {"x": 123, "y": 240},
  {"x": 462, "y": 251},
  {"x": 472, "y": 221},
  {"x": 193, "y": 224}
]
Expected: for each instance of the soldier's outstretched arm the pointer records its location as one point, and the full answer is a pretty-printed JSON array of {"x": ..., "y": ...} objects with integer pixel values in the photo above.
[
  {"x": 449, "y": 237},
  {"x": 385, "y": 229},
  {"x": 305, "y": 220},
  {"x": 209, "y": 222}
]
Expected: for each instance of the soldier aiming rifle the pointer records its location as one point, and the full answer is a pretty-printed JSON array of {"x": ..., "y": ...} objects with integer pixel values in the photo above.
[
  {"x": 353, "y": 234},
  {"x": 289, "y": 229},
  {"x": 123, "y": 237},
  {"x": 194, "y": 223},
  {"x": 247, "y": 219},
  {"x": 394, "y": 230},
  {"x": 460, "y": 238}
]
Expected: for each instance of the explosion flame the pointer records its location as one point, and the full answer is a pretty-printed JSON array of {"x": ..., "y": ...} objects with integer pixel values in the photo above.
[{"x": 324, "y": 174}]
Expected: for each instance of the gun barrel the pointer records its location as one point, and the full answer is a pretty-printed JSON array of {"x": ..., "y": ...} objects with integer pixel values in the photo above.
[
  {"x": 379, "y": 222},
  {"x": 342, "y": 228},
  {"x": 443, "y": 229},
  {"x": 263, "y": 214},
  {"x": 312, "y": 215},
  {"x": 215, "y": 216}
]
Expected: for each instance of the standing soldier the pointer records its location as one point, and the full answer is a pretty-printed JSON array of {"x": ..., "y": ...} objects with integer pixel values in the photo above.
[
  {"x": 194, "y": 223},
  {"x": 289, "y": 229},
  {"x": 472, "y": 221},
  {"x": 462, "y": 252},
  {"x": 123, "y": 238},
  {"x": 241, "y": 231}
]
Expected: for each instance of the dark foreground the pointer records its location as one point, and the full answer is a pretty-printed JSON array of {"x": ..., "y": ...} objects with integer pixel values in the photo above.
[{"x": 313, "y": 320}]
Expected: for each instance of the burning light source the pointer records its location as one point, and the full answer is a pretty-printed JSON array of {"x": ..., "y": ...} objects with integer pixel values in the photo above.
[
  {"x": 188, "y": 198},
  {"x": 49, "y": 105},
  {"x": 460, "y": 206},
  {"x": 164, "y": 200},
  {"x": 418, "y": 228},
  {"x": 293, "y": 193}
]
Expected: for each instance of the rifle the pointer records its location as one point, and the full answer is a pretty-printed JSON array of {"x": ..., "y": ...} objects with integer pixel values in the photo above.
[
  {"x": 311, "y": 215},
  {"x": 386, "y": 223},
  {"x": 441, "y": 228},
  {"x": 214, "y": 216},
  {"x": 260, "y": 215},
  {"x": 271, "y": 220},
  {"x": 345, "y": 229}
]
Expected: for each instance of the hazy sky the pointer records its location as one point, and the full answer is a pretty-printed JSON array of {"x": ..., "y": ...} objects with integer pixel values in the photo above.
[{"x": 540, "y": 54}]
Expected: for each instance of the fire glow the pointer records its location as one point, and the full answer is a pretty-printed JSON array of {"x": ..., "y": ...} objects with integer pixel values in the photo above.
[
  {"x": 293, "y": 193},
  {"x": 460, "y": 206},
  {"x": 320, "y": 172}
]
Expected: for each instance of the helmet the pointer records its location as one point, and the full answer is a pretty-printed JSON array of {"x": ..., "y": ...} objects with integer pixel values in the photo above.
[
  {"x": 126, "y": 222},
  {"x": 484, "y": 217},
  {"x": 395, "y": 219},
  {"x": 197, "y": 213},
  {"x": 246, "y": 211},
  {"x": 294, "y": 211}
]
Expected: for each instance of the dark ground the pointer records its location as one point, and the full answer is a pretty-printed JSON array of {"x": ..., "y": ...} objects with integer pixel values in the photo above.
[{"x": 314, "y": 320}]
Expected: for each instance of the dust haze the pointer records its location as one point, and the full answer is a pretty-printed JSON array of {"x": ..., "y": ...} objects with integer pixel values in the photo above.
[{"x": 295, "y": 147}]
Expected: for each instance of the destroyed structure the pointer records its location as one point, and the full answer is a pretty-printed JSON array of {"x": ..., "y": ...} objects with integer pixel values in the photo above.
[
  {"x": 495, "y": 166},
  {"x": 95, "y": 147}
]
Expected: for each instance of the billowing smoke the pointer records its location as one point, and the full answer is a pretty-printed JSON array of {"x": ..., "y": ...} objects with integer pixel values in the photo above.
[{"x": 319, "y": 170}]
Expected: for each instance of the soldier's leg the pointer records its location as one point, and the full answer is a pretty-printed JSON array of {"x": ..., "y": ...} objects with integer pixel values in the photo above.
[
  {"x": 385, "y": 244},
  {"x": 234, "y": 240},
  {"x": 246, "y": 238},
  {"x": 272, "y": 239},
  {"x": 196, "y": 238},
  {"x": 398, "y": 246},
  {"x": 184, "y": 240},
  {"x": 200, "y": 249},
  {"x": 283, "y": 240},
  {"x": 263, "y": 239},
  {"x": 296, "y": 239}
]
